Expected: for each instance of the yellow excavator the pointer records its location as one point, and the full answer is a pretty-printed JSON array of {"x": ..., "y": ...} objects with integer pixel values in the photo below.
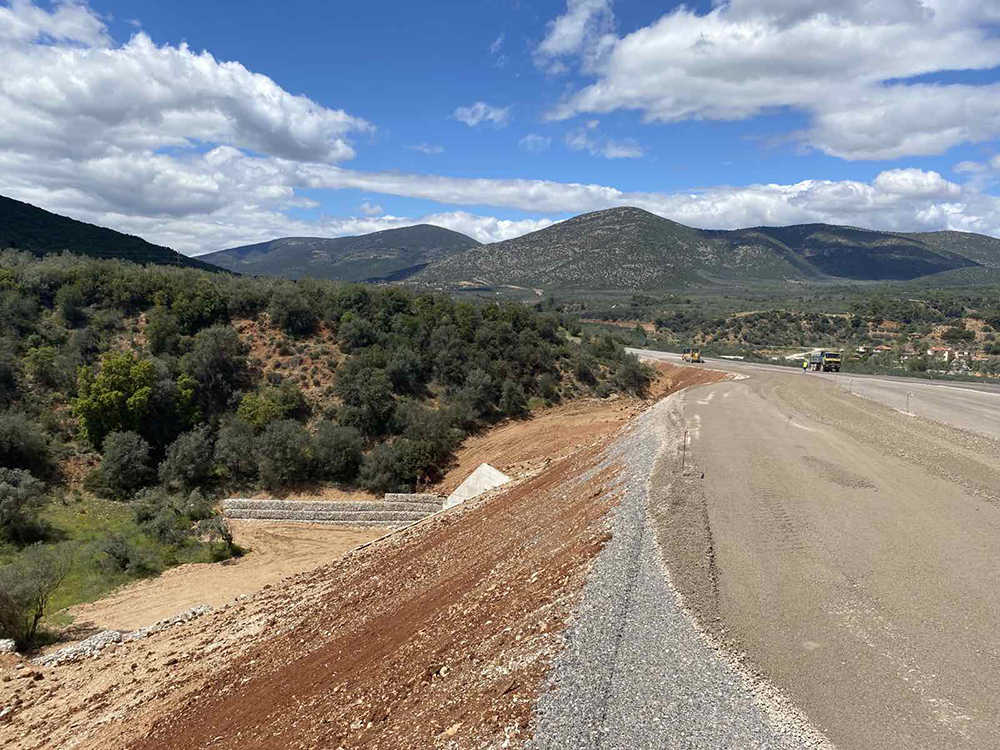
[{"x": 691, "y": 354}]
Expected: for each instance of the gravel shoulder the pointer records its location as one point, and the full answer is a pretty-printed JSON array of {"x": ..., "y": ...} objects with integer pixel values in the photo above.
[{"x": 637, "y": 671}]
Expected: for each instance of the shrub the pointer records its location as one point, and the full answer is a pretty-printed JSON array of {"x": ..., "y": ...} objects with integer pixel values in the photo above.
[
  {"x": 22, "y": 444},
  {"x": 234, "y": 449},
  {"x": 384, "y": 469},
  {"x": 218, "y": 529},
  {"x": 117, "y": 554},
  {"x": 405, "y": 371},
  {"x": 368, "y": 397},
  {"x": 218, "y": 365},
  {"x": 25, "y": 589},
  {"x": 266, "y": 405},
  {"x": 632, "y": 376},
  {"x": 188, "y": 463},
  {"x": 163, "y": 331},
  {"x": 512, "y": 400},
  {"x": 21, "y": 496},
  {"x": 283, "y": 453},
  {"x": 337, "y": 452},
  {"x": 291, "y": 311},
  {"x": 125, "y": 464}
]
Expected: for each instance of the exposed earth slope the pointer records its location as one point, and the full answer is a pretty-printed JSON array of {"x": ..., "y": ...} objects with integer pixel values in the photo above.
[
  {"x": 27, "y": 227},
  {"x": 628, "y": 248},
  {"x": 389, "y": 255}
]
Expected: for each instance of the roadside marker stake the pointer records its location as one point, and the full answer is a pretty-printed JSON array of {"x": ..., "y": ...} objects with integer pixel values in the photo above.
[
  {"x": 908, "y": 394},
  {"x": 684, "y": 451}
]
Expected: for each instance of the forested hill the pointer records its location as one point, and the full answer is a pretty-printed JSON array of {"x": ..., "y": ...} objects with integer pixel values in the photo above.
[
  {"x": 389, "y": 255},
  {"x": 628, "y": 248},
  {"x": 40, "y": 232}
]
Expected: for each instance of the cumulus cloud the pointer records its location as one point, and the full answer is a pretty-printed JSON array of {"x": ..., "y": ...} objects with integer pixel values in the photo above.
[
  {"x": 586, "y": 139},
  {"x": 585, "y": 29},
  {"x": 199, "y": 155},
  {"x": 843, "y": 64},
  {"x": 481, "y": 112},
  {"x": 534, "y": 143},
  {"x": 428, "y": 148},
  {"x": 23, "y": 22}
]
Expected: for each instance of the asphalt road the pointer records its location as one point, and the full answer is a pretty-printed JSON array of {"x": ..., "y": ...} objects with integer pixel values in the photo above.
[
  {"x": 971, "y": 406},
  {"x": 849, "y": 550}
]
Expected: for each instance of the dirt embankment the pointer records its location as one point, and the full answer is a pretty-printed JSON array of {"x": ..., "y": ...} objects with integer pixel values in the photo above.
[{"x": 437, "y": 636}]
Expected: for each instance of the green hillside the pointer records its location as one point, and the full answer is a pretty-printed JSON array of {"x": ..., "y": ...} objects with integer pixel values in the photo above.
[
  {"x": 390, "y": 255},
  {"x": 628, "y": 249},
  {"x": 40, "y": 232}
]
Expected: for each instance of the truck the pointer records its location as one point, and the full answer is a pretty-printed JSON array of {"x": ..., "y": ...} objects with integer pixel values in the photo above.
[
  {"x": 822, "y": 361},
  {"x": 691, "y": 354}
]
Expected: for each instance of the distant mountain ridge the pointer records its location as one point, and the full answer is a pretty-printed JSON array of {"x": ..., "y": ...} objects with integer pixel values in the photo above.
[
  {"x": 389, "y": 255},
  {"x": 41, "y": 232},
  {"x": 629, "y": 248}
]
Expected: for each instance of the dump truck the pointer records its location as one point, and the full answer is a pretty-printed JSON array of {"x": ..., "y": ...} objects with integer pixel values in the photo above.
[
  {"x": 691, "y": 354},
  {"x": 822, "y": 361}
]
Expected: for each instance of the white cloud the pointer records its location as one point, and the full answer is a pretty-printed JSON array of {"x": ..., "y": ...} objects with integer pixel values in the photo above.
[
  {"x": 840, "y": 63},
  {"x": 481, "y": 112},
  {"x": 198, "y": 154},
  {"x": 24, "y": 22},
  {"x": 595, "y": 144},
  {"x": 534, "y": 143},
  {"x": 428, "y": 148},
  {"x": 370, "y": 209},
  {"x": 497, "y": 45},
  {"x": 585, "y": 29}
]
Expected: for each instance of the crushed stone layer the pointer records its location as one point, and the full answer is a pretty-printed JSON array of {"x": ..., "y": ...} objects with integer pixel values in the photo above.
[{"x": 637, "y": 672}]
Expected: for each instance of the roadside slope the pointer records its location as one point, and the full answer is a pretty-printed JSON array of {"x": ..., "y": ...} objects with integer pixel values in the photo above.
[{"x": 440, "y": 634}]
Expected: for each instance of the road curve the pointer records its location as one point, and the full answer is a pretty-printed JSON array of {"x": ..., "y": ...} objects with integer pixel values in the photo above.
[
  {"x": 971, "y": 406},
  {"x": 849, "y": 550}
]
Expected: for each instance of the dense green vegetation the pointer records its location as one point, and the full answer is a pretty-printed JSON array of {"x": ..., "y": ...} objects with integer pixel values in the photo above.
[
  {"x": 41, "y": 232},
  {"x": 146, "y": 375}
]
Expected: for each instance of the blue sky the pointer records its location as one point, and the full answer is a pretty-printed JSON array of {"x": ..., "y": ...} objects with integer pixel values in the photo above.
[{"x": 205, "y": 125}]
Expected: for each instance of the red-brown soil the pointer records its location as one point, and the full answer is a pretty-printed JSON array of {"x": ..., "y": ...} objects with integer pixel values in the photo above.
[{"x": 437, "y": 636}]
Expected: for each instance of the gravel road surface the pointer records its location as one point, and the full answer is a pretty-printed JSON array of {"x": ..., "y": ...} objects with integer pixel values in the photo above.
[{"x": 852, "y": 554}]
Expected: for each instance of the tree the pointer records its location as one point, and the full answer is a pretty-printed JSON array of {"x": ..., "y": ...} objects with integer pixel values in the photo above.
[
  {"x": 117, "y": 398},
  {"x": 125, "y": 464},
  {"x": 337, "y": 452},
  {"x": 291, "y": 311},
  {"x": 25, "y": 589},
  {"x": 512, "y": 400},
  {"x": 217, "y": 363},
  {"x": 368, "y": 398},
  {"x": 163, "y": 331},
  {"x": 23, "y": 444},
  {"x": 284, "y": 453},
  {"x": 21, "y": 496},
  {"x": 188, "y": 463},
  {"x": 234, "y": 449}
]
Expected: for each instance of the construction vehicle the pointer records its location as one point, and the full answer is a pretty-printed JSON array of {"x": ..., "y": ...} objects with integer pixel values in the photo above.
[
  {"x": 822, "y": 361},
  {"x": 691, "y": 354}
]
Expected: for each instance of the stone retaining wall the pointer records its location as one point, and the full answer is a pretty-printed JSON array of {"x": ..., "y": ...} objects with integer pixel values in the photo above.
[{"x": 396, "y": 511}]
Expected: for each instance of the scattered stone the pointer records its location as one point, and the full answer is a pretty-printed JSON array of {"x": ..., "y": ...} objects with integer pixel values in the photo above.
[
  {"x": 7, "y": 646},
  {"x": 108, "y": 639}
]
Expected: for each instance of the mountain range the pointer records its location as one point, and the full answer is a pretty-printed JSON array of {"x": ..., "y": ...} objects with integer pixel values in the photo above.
[
  {"x": 389, "y": 255},
  {"x": 628, "y": 248},
  {"x": 615, "y": 249},
  {"x": 40, "y": 232}
]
